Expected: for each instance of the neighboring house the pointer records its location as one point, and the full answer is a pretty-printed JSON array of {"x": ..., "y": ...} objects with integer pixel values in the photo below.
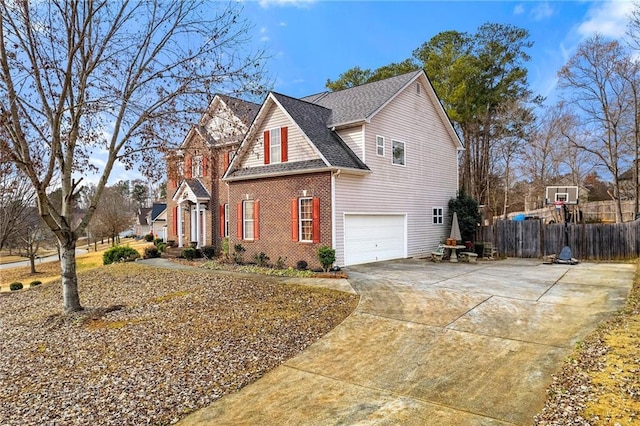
[
  {"x": 142, "y": 226},
  {"x": 368, "y": 171},
  {"x": 157, "y": 220},
  {"x": 627, "y": 185}
]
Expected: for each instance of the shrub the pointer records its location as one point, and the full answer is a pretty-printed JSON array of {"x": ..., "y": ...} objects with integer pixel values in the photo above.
[
  {"x": 209, "y": 252},
  {"x": 238, "y": 251},
  {"x": 225, "y": 246},
  {"x": 261, "y": 259},
  {"x": 469, "y": 217},
  {"x": 161, "y": 247},
  {"x": 189, "y": 253},
  {"x": 148, "y": 238},
  {"x": 326, "y": 256},
  {"x": 35, "y": 283},
  {"x": 151, "y": 252},
  {"x": 15, "y": 286},
  {"x": 119, "y": 254},
  {"x": 302, "y": 265},
  {"x": 157, "y": 241},
  {"x": 281, "y": 263}
]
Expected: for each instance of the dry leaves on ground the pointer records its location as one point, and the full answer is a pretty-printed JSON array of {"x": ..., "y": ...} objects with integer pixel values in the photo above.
[{"x": 152, "y": 345}]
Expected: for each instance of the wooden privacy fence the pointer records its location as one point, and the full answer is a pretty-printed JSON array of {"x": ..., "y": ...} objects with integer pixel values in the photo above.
[{"x": 591, "y": 241}]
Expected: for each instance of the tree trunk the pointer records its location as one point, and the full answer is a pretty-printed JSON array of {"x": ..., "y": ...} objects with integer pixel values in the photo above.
[
  {"x": 70, "y": 296},
  {"x": 32, "y": 262}
]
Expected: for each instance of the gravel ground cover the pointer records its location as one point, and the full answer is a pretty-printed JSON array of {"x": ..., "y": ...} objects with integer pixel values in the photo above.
[
  {"x": 600, "y": 383},
  {"x": 152, "y": 344}
]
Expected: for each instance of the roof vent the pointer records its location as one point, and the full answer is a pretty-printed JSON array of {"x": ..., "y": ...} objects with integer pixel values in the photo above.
[{"x": 418, "y": 88}]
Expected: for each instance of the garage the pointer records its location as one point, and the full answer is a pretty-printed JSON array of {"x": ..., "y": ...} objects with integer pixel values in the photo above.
[{"x": 374, "y": 237}]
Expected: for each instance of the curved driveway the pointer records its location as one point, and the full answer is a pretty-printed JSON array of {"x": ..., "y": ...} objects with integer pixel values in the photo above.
[{"x": 436, "y": 344}]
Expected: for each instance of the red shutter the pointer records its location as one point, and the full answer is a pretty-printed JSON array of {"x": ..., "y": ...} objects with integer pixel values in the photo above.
[
  {"x": 226, "y": 160},
  {"x": 222, "y": 220},
  {"x": 267, "y": 148},
  {"x": 316, "y": 220},
  {"x": 256, "y": 220},
  {"x": 204, "y": 166},
  {"x": 239, "y": 223},
  {"x": 175, "y": 220},
  {"x": 284, "y": 142},
  {"x": 294, "y": 220},
  {"x": 187, "y": 172}
]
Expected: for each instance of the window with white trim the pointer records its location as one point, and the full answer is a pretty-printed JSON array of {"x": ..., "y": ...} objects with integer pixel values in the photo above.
[
  {"x": 274, "y": 141},
  {"x": 247, "y": 220},
  {"x": 226, "y": 220},
  {"x": 398, "y": 153},
  {"x": 305, "y": 219},
  {"x": 380, "y": 146},
  {"x": 438, "y": 215},
  {"x": 180, "y": 169},
  {"x": 196, "y": 166}
]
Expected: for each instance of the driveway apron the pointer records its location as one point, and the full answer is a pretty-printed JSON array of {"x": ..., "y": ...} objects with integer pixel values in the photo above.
[{"x": 436, "y": 344}]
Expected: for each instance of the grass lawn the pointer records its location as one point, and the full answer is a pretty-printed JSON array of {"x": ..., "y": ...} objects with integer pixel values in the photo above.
[
  {"x": 50, "y": 271},
  {"x": 600, "y": 383},
  {"x": 152, "y": 344}
]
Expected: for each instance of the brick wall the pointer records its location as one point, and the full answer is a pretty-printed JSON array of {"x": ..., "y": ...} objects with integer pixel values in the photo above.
[{"x": 274, "y": 196}]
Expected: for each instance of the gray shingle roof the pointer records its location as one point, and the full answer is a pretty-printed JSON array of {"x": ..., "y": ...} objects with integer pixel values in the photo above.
[
  {"x": 314, "y": 121},
  {"x": 157, "y": 209},
  {"x": 198, "y": 189},
  {"x": 278, "y": 168},
  {"x": 359, "y": 102}
]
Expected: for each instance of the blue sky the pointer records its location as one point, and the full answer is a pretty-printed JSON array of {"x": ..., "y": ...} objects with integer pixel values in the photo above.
[{"x": 310, "y": 41}]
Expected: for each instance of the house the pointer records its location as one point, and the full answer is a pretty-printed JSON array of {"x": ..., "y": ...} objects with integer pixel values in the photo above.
[
  {"x": 142, "y": 221},
  {"x": 194, "y": 187},
  {"x": 157, "y": 220},
  {"x": 368, "y": 171}
]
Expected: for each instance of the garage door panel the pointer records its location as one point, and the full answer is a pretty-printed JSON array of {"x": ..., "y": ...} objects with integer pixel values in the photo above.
[{"x": 372, "y": 238}]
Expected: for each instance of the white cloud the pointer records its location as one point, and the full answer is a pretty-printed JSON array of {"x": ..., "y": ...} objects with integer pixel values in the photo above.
[
  {"x": 519, "y": 9},
  {"x": 283, "y": 24},
  {"x": 296, "y": 3},
  {"x": 264, "y": 38},
  {"x": 542, "y": 11},
  {"x": 608, "y": 18}
]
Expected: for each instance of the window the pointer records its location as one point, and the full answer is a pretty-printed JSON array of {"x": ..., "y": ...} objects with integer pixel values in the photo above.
[
  {"x": 380, "y": 146},
  {"x": 247, "y": 220},
  {"x": 398, "y": 152},
  {"x": 196, "y": 166},
  {"x": 438, "y": 215},
  {"x": 180, "y": 169},
  {"x": 306, "y": 219},
  {"x": 274, "y": 139},
  {"x": 226, "y": 221}
]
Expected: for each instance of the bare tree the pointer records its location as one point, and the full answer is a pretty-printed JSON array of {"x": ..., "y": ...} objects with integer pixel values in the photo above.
[
  {"x": 125, "y": 78},
  {"x": 600, "y": 95},
  {"x": 114, "y": 215},
  {"x": 16, "y": 197}
]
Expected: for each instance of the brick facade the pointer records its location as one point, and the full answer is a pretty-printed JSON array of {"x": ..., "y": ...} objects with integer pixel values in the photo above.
[{"x": 274, "y": 196}]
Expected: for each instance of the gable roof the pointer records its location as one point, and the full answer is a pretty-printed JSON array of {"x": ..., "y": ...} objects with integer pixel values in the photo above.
[
  {"x": 360, "y": 103},
  {"x": 157, "y": 209},
  {"x": 195, "y": 187},
  {"x": 142, "y": 215},
  {"x": 244, "y": 110}
]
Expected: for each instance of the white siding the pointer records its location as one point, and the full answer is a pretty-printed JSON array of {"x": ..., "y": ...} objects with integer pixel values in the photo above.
[
  {"x": 299, "y": 148},
  {"x": 224, "y": 125},
  {"x": 429, "y": 178},
  {"x": 354, "y": 138}
]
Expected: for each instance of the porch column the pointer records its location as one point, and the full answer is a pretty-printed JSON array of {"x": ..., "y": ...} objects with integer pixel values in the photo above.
[
  {"x": 204, "y": 226},
  {"x": 179, "y": 224},
  {"x": 198, "y": 233}
]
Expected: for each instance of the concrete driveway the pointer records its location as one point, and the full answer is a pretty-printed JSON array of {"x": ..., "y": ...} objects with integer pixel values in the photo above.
[{"x": 436, "y": 344}]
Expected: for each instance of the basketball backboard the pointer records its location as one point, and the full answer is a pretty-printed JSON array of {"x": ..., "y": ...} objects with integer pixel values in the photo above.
[{"x": 568, "y": 195}]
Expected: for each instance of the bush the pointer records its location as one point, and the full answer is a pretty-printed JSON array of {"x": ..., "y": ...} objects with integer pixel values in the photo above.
[
  {"x": 151, "y": 252},
  {"x": 148, "y": 238},
  {"x": 35, "y": 283},
  {"x": 469, "y": 217},
  {"x": 157, "y": 241},
  {"x": 281, "y": 263},
  {"x": 225, "y": 246},
  {"x": 238, "y": 251},
  {"x": 189, "y": 253},
  {"x": 15, "y": 286},
  {"x": 261, "y": 259},
  {"x": 209, "y": 252},
  {"x": 326, "y": 256},
  {"x": 119, "y": 254},
  {"x": 302, "y": 265},
  {"x": 161, "y": 247}
]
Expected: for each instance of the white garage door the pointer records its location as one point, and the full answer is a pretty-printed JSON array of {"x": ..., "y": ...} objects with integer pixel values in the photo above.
[{"x": 372, "y": 238}]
